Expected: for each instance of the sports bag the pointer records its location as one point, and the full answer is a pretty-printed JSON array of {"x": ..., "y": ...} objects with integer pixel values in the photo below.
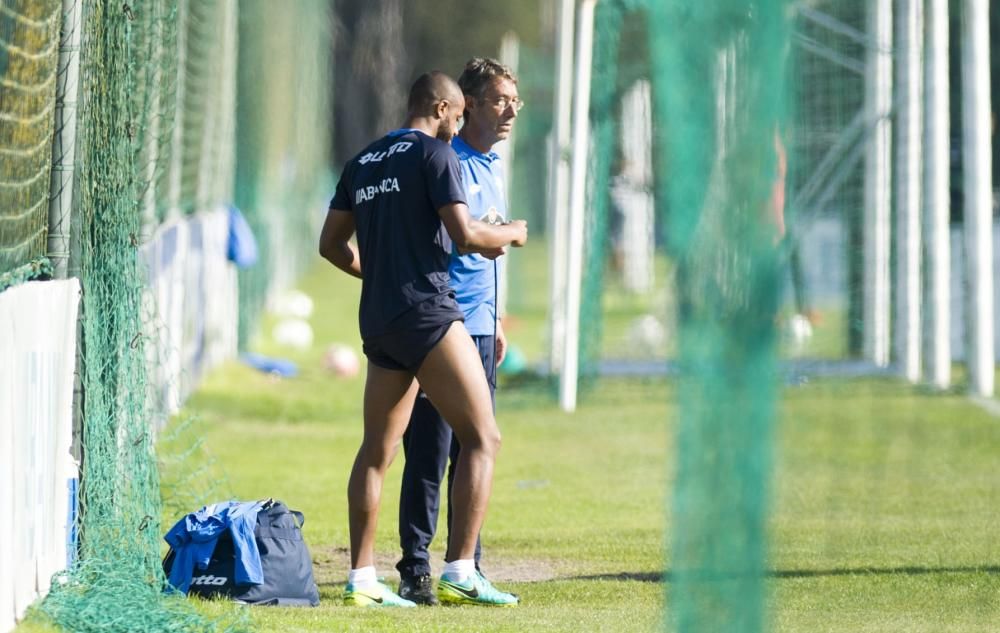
[{"x": 284, "y": 559}]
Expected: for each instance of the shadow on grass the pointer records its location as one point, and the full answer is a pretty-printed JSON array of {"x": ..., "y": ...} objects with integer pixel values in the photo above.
[
  {"x": 804, "y": 573},
  {"x": 642, "y": 576},
  {"x": 910, "y": 570}
]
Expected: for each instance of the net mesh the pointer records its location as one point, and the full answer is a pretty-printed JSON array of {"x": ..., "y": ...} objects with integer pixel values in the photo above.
[
  {"x": 625, "y": 310},
  {"x": 155, "y": 141},
  {"x": 720, "y": 73},
  {"x": 283, "y": 144},
  {"x": 117, "y": 582},
  {"x": 29, "y": 43}
]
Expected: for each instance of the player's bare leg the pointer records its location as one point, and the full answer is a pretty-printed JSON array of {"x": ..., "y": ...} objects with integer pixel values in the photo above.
[
  {"x": 453, "y": 378},
  {"x": 389, "y": 397}
]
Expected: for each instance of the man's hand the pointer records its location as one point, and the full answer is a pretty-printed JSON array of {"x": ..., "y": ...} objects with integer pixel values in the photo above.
[
  {"x": 522, "y": 227},
  {"x": 472, "y": 235},
  {"x": 501, "y": 344}
]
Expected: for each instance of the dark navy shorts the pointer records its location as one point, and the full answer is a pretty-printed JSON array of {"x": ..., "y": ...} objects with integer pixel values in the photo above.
[{"x": 404, "y": 350}]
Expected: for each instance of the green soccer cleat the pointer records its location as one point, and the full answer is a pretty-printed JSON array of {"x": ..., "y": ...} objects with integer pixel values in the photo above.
[
  {"x": 475, "y": 590},
  {"x": 378, "y": 596}
]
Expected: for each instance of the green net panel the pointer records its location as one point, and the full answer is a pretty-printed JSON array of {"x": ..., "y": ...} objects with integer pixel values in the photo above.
[
  {"x": 116, "y": 583},
  {"x": 282, "y": 183},
  {"x": 826, "y": 142},
  {"x": 629, "y": 324},
  {"x": 29, "y": 52},
  {"x": 156, "y": 140},
  {"x": 626, "y": 310},
  {"x": 687, "y": 103},
  {"x": 720, "y": 101},
  {"x": 155, "y": 101}
]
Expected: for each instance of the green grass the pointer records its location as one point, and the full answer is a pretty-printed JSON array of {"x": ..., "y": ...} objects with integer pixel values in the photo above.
[{"x": 886, "y": 499}]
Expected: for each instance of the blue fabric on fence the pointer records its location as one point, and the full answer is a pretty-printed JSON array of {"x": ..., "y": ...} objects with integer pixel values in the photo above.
[{"x": 242, "y": 244}]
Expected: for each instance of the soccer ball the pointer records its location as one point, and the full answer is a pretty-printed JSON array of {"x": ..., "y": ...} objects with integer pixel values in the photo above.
[
  {"x": 342, "y": 361},
  {"x": 646, "y": 333},
  {"x": 799, "y": 330},
  {"x": 293, "y": 333},
  {"x": 293, "y": 303}
]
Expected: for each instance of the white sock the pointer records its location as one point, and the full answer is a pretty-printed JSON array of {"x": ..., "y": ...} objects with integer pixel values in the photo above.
[
  {"x": 363, "y": 577},
  {"x": 459, "y": 570}
]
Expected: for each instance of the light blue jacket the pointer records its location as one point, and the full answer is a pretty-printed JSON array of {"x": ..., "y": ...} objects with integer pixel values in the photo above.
[
  {"x": 193, "y": 539},
  {"x": 473, "y": 277}
]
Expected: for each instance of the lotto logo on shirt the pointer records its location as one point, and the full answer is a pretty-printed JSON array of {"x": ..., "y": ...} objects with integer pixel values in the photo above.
[
  {"x": 365, "y": 194},
  {"x": 377, "y": 157}
]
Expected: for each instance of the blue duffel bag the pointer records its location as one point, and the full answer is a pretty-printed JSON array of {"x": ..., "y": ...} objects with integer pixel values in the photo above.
[{"x": 284, "y": 561}]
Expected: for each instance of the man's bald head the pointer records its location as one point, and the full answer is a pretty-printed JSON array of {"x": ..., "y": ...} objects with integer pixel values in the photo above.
[{"x": 430, "y": 89}]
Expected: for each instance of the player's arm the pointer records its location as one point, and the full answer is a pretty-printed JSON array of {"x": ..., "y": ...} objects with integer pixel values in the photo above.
[
  {"x": 471, "y": 235},
  {"x": 335, "y": 242}
]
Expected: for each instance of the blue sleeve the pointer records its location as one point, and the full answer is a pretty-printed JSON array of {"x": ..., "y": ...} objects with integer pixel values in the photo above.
[
  {"x": 444, "y": 176},
  {"x": 248, "y": 565},
  {"x": 193, "y": 539},
  {"x": 183, "y": 565}
]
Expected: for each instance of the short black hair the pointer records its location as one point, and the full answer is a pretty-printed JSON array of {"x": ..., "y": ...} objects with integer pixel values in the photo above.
[
  {"x": 479, "y": 72},
  {"x": 429, "y": 89}
]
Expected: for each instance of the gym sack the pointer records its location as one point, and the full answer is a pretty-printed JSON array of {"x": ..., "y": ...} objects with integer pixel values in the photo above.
[{"x": 284, "y": 559}]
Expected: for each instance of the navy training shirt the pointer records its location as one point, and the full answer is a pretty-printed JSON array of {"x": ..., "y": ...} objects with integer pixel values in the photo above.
[{"x": 394, "y": 188}]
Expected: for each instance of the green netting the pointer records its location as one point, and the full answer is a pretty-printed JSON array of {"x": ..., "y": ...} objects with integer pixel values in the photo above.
[
  {"x": 603, "y": 104},
  {"x": 827, "y": 137},
  {"x": 156, "y": 139},
  {"x": 33, "y": 270},
  {"x": 616, "y": 311},
  {"x": 156, "y": 106},
  {"x": 283, "y": 143},
  {"x": 719, "y": 93},
  {"x": 29, "y": 47},
  {"x": 128, "y": 71},
  {"x": 117, "y": 583},
  {"x": 201, "y": 72}
]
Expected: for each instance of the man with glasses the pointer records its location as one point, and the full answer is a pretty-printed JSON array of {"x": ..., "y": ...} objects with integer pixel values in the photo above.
[
  {"x": 491, "y": 107},
  {"x": 397, "y": 194}
]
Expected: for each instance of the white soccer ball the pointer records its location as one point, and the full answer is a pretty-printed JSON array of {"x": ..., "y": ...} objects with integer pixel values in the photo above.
[
  {"x": 293, "y": 303},
  {"x": 800, "y": 330},
  {"x": 646, "y": 333},
  {"x": 342, "y": 361},
  {"x": 293, "y": 333}
]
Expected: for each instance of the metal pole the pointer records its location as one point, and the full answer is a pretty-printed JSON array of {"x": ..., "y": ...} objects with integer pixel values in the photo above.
[
  {"x": 64, "y": 141},
  {"x": 978, "y": 212},
  {"x": 878, "y": 163},
  {"x": 908, "y": 189},
  {"x": 937, "y": 211},
  {"x": 559, "y": 181},
  {"x": 577, "y": 206}
]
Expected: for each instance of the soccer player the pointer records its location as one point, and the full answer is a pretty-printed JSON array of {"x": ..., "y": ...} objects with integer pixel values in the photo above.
[
  {"x": 491, "y": 107},
  {"x": 397, "y": 194}
]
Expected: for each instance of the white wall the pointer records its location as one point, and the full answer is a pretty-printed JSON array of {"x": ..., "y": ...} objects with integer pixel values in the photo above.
[{"x": 38, "y": 327}]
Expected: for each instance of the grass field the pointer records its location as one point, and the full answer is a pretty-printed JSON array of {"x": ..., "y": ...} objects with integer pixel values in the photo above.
[{"x": 886, "y": 501}]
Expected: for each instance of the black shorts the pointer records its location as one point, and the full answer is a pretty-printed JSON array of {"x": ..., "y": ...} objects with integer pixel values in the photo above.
[{"x": 404, "y": 350}]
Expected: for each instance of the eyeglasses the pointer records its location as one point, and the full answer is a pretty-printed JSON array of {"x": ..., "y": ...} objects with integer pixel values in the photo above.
[{"x": 502, "y": 103}]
